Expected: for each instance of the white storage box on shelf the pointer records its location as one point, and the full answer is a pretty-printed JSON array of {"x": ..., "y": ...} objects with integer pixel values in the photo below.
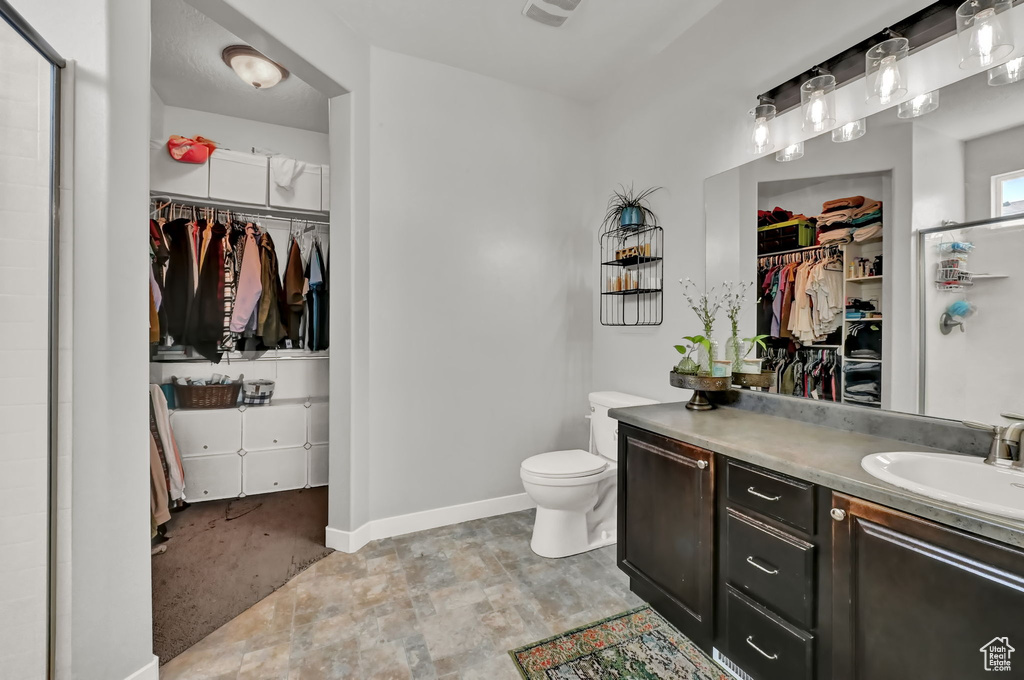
[
  {"x": 325, "y": 188},
  {"x": 274, "y": 427},
  {"x": 318, "y": 465},
  {"x": 210, "y": 478},
  {"x": 238, "y": 177},
  {"x": 202, "y": 432},
  {"x": 305, "y": 193},
  {"x": 167, "y": 175}
]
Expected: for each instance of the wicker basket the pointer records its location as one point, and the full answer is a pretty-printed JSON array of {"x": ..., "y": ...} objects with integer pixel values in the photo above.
[{"x": 207, "y": 396}]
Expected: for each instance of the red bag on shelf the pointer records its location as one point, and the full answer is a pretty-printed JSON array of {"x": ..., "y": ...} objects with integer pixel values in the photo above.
[{"x": 185, "y": 150}]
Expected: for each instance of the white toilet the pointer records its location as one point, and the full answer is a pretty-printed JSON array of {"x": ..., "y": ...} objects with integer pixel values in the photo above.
[{"x": 575, "y": 491}]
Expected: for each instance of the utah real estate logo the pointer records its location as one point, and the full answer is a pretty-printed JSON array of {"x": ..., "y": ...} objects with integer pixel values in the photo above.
[{"x": 997, "y": 654}]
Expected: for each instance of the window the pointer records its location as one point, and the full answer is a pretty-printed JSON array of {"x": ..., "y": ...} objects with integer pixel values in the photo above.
[{"x": 1008, "y": 194}]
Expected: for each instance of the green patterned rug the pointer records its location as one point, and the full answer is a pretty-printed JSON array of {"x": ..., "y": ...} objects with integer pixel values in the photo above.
[{"x": 634, "y": 645}]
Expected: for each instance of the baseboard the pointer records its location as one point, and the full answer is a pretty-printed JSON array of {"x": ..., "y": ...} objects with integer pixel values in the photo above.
[
  {"x": 352, "y": 541},
  {"x": 151, "y": 671}
]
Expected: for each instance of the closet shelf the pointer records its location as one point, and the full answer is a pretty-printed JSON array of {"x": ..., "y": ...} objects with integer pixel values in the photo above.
[
  {"x": 631, "y": 261},
  {"x": 865, "y": 279},
  {"x": 862, "y": 361},
  {"x": 175, "y": 355},
  {"x": 867, "y": 318}
]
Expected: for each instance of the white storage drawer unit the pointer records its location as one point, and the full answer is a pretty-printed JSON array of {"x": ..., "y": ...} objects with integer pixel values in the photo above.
[
  {"x": 167, "y": 175},
  {"x": 325, "y": 188},
  {"x": 248, "y": 450},
  {"x": 318, "y": 465},
  {"x": 305, "y": 193},
  {"x": 318, "y": 418},
  {"x": 201, "y": 432},
  {"x": 273, "y": 427},
  {"x": 267, "y": 471},
  {"x": 238, "y": 177},
  {"x": 209, "y": 478}
]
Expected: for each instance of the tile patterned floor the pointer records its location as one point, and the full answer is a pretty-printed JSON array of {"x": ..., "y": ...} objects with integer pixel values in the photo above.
[{"x": 443, "y": 604}]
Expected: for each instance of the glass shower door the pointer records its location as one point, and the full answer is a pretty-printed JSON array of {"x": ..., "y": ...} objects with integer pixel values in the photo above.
[{"x": 27, "y": 344}]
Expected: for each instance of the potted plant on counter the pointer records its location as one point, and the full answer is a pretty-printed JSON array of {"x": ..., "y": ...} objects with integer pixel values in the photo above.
[
  {"x": 686, "y": 365},
  {"x": 630, "y": 208}
]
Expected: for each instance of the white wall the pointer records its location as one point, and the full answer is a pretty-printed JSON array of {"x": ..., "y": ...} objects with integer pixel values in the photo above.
[
  {"x": 111, "y": 635},
  {"x": 24, "y": 358},
  {"x": 481, "y": 329},
  {"x": 240, "y": 134},
  {"x": 984, "y": 158}
]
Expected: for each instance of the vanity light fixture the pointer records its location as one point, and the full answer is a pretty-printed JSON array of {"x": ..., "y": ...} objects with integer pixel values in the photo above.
[
  {"x": 983, "y": 32},
  {"x": 855, "y": 129},
  {"x": 919, "y": 105},
  {"x": 253, "y": 67},
  {"x": 790, "y": 153},
  {"x": 818, "y": 101},
  {"x": 761, "y": 136},
  {"x": 883, "y": 75},
  {"x": 1007, "y": 73}
]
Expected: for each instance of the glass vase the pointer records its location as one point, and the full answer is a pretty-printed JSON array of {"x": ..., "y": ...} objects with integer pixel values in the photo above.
[
  {"x": 734, "y": 352},
  {"x": 706, "y": 355}
]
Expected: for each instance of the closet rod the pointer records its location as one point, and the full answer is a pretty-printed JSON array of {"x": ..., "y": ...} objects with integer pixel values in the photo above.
[
  {"x": 244, "y": 209},
  {"x": 799, "y": 250}
]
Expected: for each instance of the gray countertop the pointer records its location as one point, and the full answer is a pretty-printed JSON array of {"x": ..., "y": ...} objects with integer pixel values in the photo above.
[{"x": 821, "y": 455}]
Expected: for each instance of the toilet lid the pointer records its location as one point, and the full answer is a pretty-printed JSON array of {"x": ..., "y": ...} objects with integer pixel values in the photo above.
[{"x": 575, "y": 463}]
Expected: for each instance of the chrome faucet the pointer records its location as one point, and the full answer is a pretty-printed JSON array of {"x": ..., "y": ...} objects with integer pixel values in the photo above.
[{"x": 1006, "y": 441}]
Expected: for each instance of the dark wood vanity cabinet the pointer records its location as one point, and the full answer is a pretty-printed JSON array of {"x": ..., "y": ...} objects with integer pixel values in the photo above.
[
  {"x": 916, "y": 599},
  {"x": 666, "y": 527}
]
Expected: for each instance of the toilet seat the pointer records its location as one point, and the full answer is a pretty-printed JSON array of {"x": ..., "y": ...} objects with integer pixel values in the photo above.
[{"x": 570, "y": 464}]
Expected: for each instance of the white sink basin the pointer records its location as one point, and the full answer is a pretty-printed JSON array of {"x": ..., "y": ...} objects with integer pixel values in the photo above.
[{"x": 961, "y": 480}]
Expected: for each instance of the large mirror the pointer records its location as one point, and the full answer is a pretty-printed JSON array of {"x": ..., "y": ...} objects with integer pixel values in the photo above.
[{"x": 887, "y": 271}]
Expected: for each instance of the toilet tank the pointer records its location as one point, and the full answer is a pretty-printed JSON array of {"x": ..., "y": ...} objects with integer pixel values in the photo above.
[{"x": 604, "y": 429}]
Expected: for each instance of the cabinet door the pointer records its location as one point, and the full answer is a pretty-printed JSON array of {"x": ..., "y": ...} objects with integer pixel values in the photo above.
[
  {"x": 915, "y": 599},
  {"x": 666, "y": 510},
  {"x": 201, "y": 432},
  {"x": 274, "y": 427}
]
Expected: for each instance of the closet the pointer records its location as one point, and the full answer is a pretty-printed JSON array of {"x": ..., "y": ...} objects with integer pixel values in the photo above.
[{"x": 831, "y": 230}]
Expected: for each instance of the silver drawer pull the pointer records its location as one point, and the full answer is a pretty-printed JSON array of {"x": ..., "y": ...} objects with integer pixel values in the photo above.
[
  {"x": 751, "y": 562},
  {"x": 754, "y": 492},
  {"x": 770, "y": 657}
]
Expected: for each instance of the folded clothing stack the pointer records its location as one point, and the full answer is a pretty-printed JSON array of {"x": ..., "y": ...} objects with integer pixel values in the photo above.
[
  {"x": 766, "y": 218},
  {"x": 862, "y": 383},
  {"x": 848, "y": 214}
]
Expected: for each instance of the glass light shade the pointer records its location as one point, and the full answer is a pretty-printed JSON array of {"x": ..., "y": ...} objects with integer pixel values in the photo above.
[
  {"x": 983, "y": 31},
  {"x": 790, "y": 153},
  {"x": 851, "y": 131},
  {"x": 252, "y": 67},
  {"x": 818, "y": 101},
  {"x": 919, "y": 105},
  {"x": 761, "y": 136},
  {"x": 883, "y": 73},
  {"x": 1007, "y": 73}
]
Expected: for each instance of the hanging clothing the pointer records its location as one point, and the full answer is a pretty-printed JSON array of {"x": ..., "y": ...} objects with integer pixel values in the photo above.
[
  {"x": 178, "y": 289},
  {"x": 204, "y": 329},
  {"x": 250, "y": 285},
  {"x": 294, "y": 291},
  {"x": 159, "y": 504},
  {"x": 160, "y": 421},
  {"x": 271, "y": 324}
]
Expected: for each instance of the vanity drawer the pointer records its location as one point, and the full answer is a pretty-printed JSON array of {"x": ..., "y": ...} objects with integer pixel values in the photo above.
[
  {"x": 764, "y": 646},
  {"x": 772, "y": 567},
  {"x": 782, "y": 498}
]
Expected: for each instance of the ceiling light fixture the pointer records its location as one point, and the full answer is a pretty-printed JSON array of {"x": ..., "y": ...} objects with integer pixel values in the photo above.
[
  {"x": 882, "y": 72},
  {"x": 853, "y": 130},
  {"x": 253, "y": 67},
  {"x": 919, "y": 105},
  {"x": 761, "y": 136},
  {"x": 984, "y": 35},
  {"x": 790, "y": 153},
  {"x": 818, "y": 100},
  {"x": 550, "y": 12},
  {"x": 1007, "y": 73}
]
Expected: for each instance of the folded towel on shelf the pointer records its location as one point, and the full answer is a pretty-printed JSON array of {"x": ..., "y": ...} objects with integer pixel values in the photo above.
[
  {"x": 826, "y": 219},
  {"x": 865, "y": 354},
  {"x": 867, "y": 218},
  {"x": 866, "y": 389},
  {"x": 840, "y": 203},
  {"x": 869, "y": 206},
  {"x": 835, "y": 236},
  {"x": 284, "y": 171},
  {"x": 867, "y": 232}
]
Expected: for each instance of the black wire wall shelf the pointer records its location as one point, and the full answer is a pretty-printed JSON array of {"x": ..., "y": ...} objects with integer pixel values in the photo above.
[{"x": 632, "y": 275}]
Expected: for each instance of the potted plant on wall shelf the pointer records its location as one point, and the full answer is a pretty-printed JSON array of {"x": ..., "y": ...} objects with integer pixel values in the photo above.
[{"x": 630, "y": 208}]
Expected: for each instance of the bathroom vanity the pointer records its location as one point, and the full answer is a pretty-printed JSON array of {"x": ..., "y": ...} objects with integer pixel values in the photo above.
[{"x": 763, "y": 540}]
